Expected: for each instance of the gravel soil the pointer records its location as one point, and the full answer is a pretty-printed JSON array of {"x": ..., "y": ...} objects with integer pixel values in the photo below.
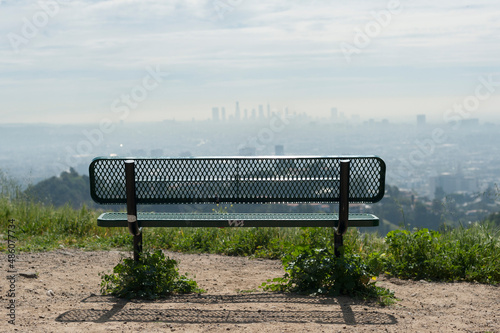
[{"x": 64, "y": 296}]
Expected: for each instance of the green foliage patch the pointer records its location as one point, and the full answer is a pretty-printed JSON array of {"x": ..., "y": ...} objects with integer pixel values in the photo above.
[
  {"x": 153, "y": 276},
  {"x": 40, "y": 227},
  {"x": 460, "y": 254},
  {"x": 317, "y": 271},
  {"x": 69, "y": 188}
]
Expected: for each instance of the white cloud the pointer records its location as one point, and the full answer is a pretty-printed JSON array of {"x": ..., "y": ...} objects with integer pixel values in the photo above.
[{"x": 101, "y": 47}]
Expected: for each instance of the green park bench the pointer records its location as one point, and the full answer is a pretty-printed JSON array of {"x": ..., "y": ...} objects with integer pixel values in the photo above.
[{"x": 236, "y": 180}]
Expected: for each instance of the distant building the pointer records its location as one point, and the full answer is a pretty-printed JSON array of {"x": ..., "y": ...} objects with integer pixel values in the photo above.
[
  {"x": 215, "y": 114},
  {"x": 237, "y": 115},
  {"x": 185, "y": 153},
  {"x": 138, "y": 152},
  {"x": 156, "y": 152},
  {"x": 470, "y": 122},
  {"x": 261, "y": 111},
  {"x": 453, "y": 183},
  {"x": 247, "y": 151},
  {"x": 334, "y": 114},
  {"x": 421, "y": 121},
  {"x": 279, "y": 150},
  {"x": 223, "y": 114}
]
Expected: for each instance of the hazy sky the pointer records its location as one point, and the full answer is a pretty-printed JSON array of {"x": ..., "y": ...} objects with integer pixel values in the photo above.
[{"x": 88, "y": 60}]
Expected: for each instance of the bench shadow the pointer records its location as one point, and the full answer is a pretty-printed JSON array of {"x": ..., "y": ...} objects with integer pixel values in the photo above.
[{"x": 124, "y": 311}]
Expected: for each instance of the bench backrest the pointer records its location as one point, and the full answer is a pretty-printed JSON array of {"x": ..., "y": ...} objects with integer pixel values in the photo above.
[{"x": 280, "y": 179}]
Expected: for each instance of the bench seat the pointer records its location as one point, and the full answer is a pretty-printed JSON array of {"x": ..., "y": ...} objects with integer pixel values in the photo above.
[{"x": 236, "y": 220}]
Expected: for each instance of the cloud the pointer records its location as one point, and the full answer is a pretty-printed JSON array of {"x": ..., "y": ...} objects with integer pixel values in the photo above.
[{"x": 100, "y": 48}]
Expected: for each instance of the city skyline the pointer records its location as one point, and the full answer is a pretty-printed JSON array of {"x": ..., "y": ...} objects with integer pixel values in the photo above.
[
  {"x": 415, "y": 151},
  {"x": 223, "y": 114}
]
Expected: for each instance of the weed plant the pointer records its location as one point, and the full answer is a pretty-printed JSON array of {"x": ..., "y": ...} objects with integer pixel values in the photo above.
[
  {"x": 152, "y": 277},
  {"x": 313, "y": 268},
  {"x": 460, "y": 254}
]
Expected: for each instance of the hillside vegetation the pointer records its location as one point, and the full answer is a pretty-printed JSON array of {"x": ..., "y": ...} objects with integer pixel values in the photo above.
[
  {"x": 397, "y": 209},
  {"x": 69, "y": 188},
  {"x": 465, "y": 253}
]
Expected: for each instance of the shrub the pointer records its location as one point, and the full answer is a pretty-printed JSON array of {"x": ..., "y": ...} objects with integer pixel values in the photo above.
[
  {"x": 152, "y": 277},
  {"x": 318, "y": 272},
  {"x": 461, "y": 254}
]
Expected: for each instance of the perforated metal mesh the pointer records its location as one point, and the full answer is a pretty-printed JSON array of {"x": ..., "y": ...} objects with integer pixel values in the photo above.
[{"x": 237, "y": 180}]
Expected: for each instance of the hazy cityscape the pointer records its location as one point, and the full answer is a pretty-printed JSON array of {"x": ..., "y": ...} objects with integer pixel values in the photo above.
[{"x": 458, "y": 157}]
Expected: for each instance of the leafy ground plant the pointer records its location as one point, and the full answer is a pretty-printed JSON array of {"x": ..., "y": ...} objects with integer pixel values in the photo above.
[
  {"x": 152, "y": 277},
  {"x": 461, "y": 254},
  {"x": 318, "y": 272}
]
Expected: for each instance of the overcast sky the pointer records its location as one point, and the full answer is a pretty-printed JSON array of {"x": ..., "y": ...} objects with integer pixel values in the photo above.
[{"x": 83, "y": 60}]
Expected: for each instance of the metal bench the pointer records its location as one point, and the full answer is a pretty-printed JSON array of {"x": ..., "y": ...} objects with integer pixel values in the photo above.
[{"x": 249, "y": 180}]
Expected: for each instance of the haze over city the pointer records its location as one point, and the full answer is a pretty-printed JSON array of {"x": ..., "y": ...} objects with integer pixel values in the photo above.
[{"x": 417, "y": 83}]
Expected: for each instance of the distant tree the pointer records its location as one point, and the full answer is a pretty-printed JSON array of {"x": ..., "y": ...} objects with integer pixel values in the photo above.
[
  {"x": 494, "y": 218},
  {"x": 393, "y": 191},
  {"x": 68, "y": 188},
  {"x": 491, "y": 194},
  {"x": 437, "y": 206},
  {"x": 393, "y": 207},
  {"x": 439, "y": 193},
  {"x": 424, "y": 218},
  {"x": 459, "y": 198},
  {"x": 390, "y": 210}
]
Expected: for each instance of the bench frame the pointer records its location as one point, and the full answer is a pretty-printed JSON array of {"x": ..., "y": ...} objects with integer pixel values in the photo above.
[{"x": 136, "y": 222}]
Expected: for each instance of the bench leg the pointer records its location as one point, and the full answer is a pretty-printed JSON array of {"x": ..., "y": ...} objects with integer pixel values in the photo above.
[
  {"x": 133, "y": 224},
  {"x": 137, "y": 246},
  {"x": 339, "y": 242},
  {"x": 343, "y": 206}
]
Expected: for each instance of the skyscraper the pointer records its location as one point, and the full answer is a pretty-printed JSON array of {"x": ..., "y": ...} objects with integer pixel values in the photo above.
[
  {"x": 223, "y": 114},
  {"x": 237, "y": 111},
  {"x": 334, "y": 114},
  {"x": 215, "y": 114},
  {"x": 279, "y": 150},
  {"x": 421, "y": 119}
]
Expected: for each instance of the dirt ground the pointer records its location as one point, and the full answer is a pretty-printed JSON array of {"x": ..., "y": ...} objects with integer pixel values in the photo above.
[{"x": 65, "y": 297}]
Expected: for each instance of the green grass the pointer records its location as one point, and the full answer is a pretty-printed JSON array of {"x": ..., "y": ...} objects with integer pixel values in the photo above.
[
  {"x": 469, "y": 253},
  {"x": 460, "y": 254},
  {"x": 40, "y": 227}
]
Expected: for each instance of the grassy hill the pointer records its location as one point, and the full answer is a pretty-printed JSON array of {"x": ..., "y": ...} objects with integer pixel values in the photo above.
[
  {"x": 69, "y": 188},
  {"x": 469, "y": 252}
]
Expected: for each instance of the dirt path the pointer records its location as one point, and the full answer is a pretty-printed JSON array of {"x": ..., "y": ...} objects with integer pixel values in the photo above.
[{"x": 65, "y": 298}]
